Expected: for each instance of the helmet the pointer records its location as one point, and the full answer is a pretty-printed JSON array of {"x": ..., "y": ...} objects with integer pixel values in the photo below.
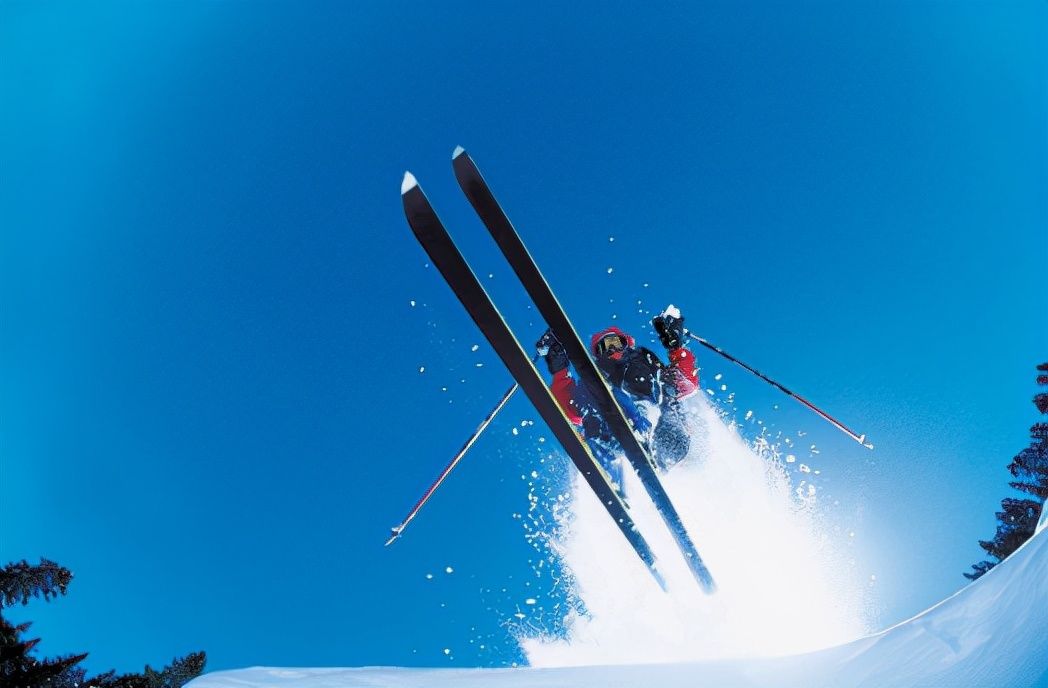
[{"x": 604, "y": 341}]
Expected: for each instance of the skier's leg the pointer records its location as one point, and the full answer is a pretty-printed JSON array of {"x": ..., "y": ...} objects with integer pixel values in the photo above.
[
  {"x": 610, "y": 461},
  {"x": 671, "y": 437}
]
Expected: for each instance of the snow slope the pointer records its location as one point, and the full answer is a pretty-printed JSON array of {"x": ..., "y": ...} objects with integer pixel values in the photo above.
[{"x": 993, "y": 632}]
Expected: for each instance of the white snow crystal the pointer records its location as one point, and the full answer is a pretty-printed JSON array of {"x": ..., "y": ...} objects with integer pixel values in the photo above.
[
  {"x": 422, "y": 369},
  {"x": 449, "y": 570},
  {"x": 515, "y": 431},
  {"x": 611, "y": 270},
  {"x": 475, "y": 347},
  {"x": 412, "y": 303},
  {"x": 804, "y": 468},
  {"x": 408, "y": 184},
  {"x": 530, "y": 600}
]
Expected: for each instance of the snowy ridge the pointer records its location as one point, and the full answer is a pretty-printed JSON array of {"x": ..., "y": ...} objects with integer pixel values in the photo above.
[{"x": 992, "y": 632}]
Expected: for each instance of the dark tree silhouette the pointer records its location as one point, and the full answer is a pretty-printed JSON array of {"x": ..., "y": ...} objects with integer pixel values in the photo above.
[
  {"x": 21, "y": 582},
  {"x": 1017, "y": 519}
]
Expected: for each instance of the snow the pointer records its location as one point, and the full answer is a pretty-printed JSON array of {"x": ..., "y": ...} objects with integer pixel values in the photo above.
[
  {"x": 992, "y": 632},
  {"x": 459, "y": 150},
  {"x": 790, "y": 610},
  {"x": 1041, "y": 524}
]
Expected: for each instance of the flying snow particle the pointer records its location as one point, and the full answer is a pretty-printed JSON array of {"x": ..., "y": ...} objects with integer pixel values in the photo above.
[
  {"x": 447, "y": 650},
  {"x": 790, "y": 458},
  {"x": 412, "y": 304},
  {"x": 429, "y": 576},
  {"x": 724, "y": 388},
  {"x": 515, "y": 431},
  {"x": 749, "y": 414},
  {"x": 718, "y": 376},
  {"x": 611, "y": 270},
  {"x": 475, "y": 347},
  {"x": 530, "y": 600},
  {"x": 611, "y": 238},
  {"x": 449, "y": 570},
  {"x": 804, "y": 468},
  {"x": 422, "y": 369}
]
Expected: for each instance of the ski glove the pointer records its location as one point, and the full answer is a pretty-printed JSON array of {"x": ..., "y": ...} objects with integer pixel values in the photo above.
[
  {"x": 669, "y": 325},
  {"x": 553, "y": 351}
]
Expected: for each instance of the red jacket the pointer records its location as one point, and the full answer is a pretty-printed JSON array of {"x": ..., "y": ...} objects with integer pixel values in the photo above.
[{"x": 681, "y": 375}]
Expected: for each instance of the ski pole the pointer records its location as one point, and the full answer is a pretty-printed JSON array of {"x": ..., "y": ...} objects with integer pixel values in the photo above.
[
  {"x": 861, "y": 439},
  {"x": 399, "y": 528}
]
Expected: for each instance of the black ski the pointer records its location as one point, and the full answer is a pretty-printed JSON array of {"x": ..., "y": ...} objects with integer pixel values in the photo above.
[
  {"x": 498, "y": 224},
  {"x": 430, "y": 232}
]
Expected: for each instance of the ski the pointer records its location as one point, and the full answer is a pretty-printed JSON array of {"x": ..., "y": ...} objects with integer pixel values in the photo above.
[
  {"x": 436, "y": 241},
  {"x": 513, "y": 248}
]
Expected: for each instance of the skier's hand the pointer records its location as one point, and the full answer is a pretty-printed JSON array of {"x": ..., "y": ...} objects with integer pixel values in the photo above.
[
  {"x": 669, "y": 325},
  {"x": 553, "y": 351}
]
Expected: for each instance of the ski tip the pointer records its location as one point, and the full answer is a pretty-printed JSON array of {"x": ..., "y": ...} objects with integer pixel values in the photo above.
[
  {"x": 658, "y": 578},
  {"x": 408, "y": 184},
  {"x": 459, "y": 150}
]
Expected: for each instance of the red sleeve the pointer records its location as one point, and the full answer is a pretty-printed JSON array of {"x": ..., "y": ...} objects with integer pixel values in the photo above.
[
  {"x": 563, "y": 389},
  {"x": 685, "y": 365}
]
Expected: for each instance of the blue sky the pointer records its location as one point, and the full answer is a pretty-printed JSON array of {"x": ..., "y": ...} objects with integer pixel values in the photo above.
[{"x": 211, "y": 400}]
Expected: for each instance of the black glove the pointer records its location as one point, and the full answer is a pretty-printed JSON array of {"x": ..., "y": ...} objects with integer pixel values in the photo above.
[
  {"x": 553, "y": 351},
  {"x": 669, "y": 325}
]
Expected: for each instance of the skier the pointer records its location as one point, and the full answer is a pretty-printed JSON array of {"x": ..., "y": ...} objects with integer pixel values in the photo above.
[{"x": 644, "y": 386}]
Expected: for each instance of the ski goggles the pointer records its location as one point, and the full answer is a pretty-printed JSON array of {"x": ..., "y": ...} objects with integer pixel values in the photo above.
[{"x": 609, "y": 344}]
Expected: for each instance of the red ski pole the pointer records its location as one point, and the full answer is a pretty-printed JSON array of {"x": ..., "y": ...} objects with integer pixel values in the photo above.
[
  {"x": 399, "y": 528},
  {"x": 861, "y": 439}
]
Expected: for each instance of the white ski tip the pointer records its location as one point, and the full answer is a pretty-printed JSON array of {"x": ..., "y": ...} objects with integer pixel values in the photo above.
[
  {"x": 408, "y": 184},
  {"x": 459, "y": 150}
]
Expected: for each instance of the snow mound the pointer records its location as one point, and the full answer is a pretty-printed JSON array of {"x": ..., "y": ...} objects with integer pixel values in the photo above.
[{"x": 992, "y": 632}]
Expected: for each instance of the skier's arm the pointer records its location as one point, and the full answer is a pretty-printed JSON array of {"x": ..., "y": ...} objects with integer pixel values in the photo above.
[
  {"x": 684, "y": 361},
  {"x": 683, "y": 367},
  {"x": 563, "y": 387}
]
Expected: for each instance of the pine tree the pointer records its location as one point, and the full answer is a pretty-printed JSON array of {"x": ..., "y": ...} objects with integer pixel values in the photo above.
[
  {"x": 19, "y": 669},
  {"x": 1018, "y": 518}
]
